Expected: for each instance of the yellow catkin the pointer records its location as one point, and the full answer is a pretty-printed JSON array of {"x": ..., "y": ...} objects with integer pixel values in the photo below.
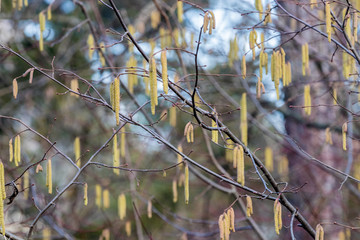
[
  {"x": 226, "y": 226},
  {"x": 26, "y": 184},
  {"x": 313, "y": 3},
  {"x": 2, "y": 196},
  {"x": 49, "y": 15},
  {"x": 214, "y": 133},
  {"x": 153, "y": 85},
  {"x": 269, "y": 162},
  {"x": 176, "y": 34},
  {"x": 355, "y": 26},
  {"x": 180, "y": 11},
  {"x": 221, "y": 226},
  {"x": 122, "y": 144},
  {"x": 116, "y": 156},
  {"x": 179, "y": 157},
  {"x": 319, "y": 232},
  {"x": 236, "y": 155},
  {"x": 172, "y": 118},
  {"x": 17, "y": 150},
  {"x": 77, "y": 151},
  {"x": 186, "y": 185},
  {"x": 42, "y": 21},
  {"x": 249, "y": 206},
  {"x": 122, "y": 206},
  {"x": 98, "y": 195},
  {"x": 91, "y": 45},
  {"x": 243, "y": 120},
  {"x": 132, "y": 32},
  {"x": 155, "y": 18},
  {"x": 341, "y": 236},
  {"x": 231, "y": 214},
  {"x": 277, "y": 216},
  {"x": 344, "y": 130},
  {"x": 206, "y": 22},
  {"x": 46, "y": 234},
  {"x": 11, "y": 150},
  {"x": 85, "y": 194},
  {"x": 283, "y": 167},
  {"x": 26, "y": 3},
  {"x": 307, "y": 100},
  {"x": 101, "y": 55},
  {"x": 241, "y": 166},
  {"x": 149, "y": 209},
  {"x": 268, "y": 15},
  {"x": 229, "y": 155},
  {"x": 112, "y": 92},
  {"x": 164, "y": 71},
  {"x": 213, "y": 19},
  {"x": 49, "y": 176},
  {"x": 20, "y": 4},
  {"x": 174, "y": 191},
  {"x": 335, "y": 96},
  {"x": 2, "y": 181},
  {"x": 146, "y": 79},
  {"x": 106, "y": 198},
  {"x": 328, "y": 20},
  {"x": 74, "y": 86},
  {"x": 243, "y": 67},
  {"x": 117, "y": 100},
  {"x": 259, "y": 7},
  {"x": 128, "y": 228},
  {"x": 15, "y": 88}
]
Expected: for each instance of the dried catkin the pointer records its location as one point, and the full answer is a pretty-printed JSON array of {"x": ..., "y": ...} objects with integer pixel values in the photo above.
[
  {"x": 328, "y": 20},
  {"x": 128, "y": 228},
  {"x": 15, "y": 88},
  {"x": 153, "y": 85},
  {"x": 106, "y": 198},
  {"x": 85, "y": 194},
  {"x": 49, "y": 176},
  {"x": 269, "y": 162},
  {"x": 98, "y": 194},
  {"x": 117, "y": 100},
  {"x": 344, "y": 130},
  {"x": 243, "y": 67},
  {"x": 249, "y": 206},
  {"x": 189, "y": 132},
  {"x": 172, "y": 118},
  {"x": 186, "y": 185},
  {"x": 174, "y": 191},
  {"x": 328, "y": 136},
  {"x": 122, "y": 206},
  {"x": 116, "y": 156},
  {"x": 221, "y": 226},
  {"x": 164, "y": 71},
  {"x": 319, "y": 232},
  {"x": 180, "y": 11},
  {"x": 149, "y": 209},
  {"x": 243, "y": 120},
  {"x": 240, "y": 165},
  {"x": 77, "y": 151},
  {"x": 231, "y": 215},
  {"x": 26, "y": 184}
]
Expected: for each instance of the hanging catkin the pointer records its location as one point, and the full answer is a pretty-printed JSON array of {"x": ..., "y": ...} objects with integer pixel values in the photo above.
[
  {"x": 243, "y": 120},
  {"x": 153, "y": 85},
  {"x": 77, "y": 151},
  {"x": 116, "y": 155},
  {"x": 164, "y": 72}
]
